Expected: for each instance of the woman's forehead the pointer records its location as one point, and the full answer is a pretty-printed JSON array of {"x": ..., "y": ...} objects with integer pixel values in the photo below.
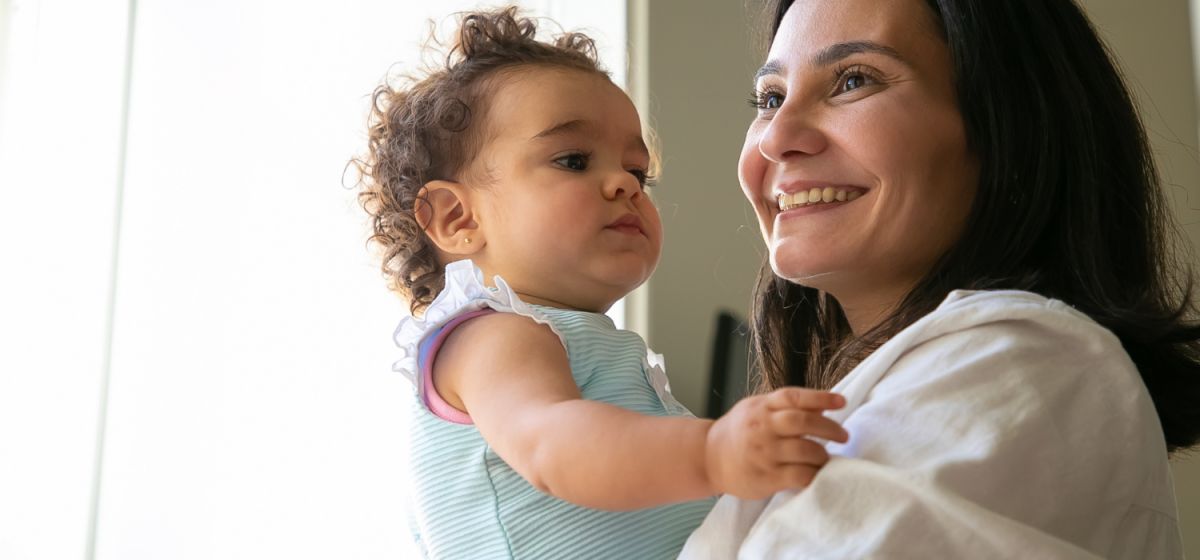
[{"x": 813, "y": 30}]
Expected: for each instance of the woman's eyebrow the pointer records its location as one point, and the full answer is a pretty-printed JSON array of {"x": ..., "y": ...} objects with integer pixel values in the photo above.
[
  {"x": 771, "y": 68},
  {"x": 834, "y": 53}
]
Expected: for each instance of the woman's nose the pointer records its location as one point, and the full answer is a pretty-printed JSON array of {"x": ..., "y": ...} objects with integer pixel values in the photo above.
[{"x": 790, "y": 134}]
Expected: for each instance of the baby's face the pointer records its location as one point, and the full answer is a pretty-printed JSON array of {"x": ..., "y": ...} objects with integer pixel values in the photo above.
[{"x": 561, "y": 197}]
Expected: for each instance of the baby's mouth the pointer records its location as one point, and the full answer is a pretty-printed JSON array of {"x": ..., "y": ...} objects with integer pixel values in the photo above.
[
  {"x": 815, "y": 196},
  {"x": 628, "y": 223}
]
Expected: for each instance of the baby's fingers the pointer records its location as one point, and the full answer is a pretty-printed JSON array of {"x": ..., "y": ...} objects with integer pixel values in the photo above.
[
  {"x": 796, "y": 476},
  {"x": 799, "y": 451},
  {"x": 799, "y": 397},
  {"x": 792, "y": 423}
]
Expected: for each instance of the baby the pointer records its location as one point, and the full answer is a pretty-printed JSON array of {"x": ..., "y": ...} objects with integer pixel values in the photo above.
[{"x": 507, "y": 191}]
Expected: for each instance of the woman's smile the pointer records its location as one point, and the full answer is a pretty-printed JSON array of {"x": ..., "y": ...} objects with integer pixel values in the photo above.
[{"x": 815, "y": 196}]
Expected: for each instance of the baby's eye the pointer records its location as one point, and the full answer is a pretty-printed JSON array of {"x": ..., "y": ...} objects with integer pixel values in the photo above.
[
  {"x": 644, "y": 178},
  {"x": 574, "y": 162}
]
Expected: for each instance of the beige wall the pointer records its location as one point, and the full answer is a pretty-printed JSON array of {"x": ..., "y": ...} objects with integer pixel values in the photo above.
[
  {"x": 691, "y": 68},
  {"x": 698, "y": 79},
  {"x": 4, "y": 34},
  {"x": 1152, "y": 41}
]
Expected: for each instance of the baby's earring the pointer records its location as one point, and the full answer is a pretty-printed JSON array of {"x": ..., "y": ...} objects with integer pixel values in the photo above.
[{"x": 467, "y": 240}]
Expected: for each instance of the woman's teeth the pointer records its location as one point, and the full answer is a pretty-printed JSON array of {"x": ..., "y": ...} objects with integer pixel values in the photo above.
[{"x": 814, "y": 196}]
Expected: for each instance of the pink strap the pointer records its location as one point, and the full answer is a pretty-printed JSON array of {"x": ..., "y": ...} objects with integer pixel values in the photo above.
[{"x": 429, "y": 349}]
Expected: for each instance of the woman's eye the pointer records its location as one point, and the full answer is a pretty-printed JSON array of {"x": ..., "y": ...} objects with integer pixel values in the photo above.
[
  {"x": 854, "y": 82},
  {"x": 574, "y": 162},
  {"x": 766, "y": 100},
  {"x": 852, "y": 79}
]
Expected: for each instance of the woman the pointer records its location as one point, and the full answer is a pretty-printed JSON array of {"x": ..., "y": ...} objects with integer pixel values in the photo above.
[{"x": 966, "y": 238}]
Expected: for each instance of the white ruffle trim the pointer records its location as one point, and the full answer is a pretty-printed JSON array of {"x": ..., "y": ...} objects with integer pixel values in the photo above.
[
  {"x": 464, "y": 292},
  {"x": 656, "y": 374}
]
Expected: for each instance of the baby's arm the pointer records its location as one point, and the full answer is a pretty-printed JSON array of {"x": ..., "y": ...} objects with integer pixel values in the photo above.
[{"x": 513, "y": 377}]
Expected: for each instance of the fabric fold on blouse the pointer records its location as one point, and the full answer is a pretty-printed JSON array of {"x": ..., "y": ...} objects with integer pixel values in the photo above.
[{"x": 1001, "y": 425}]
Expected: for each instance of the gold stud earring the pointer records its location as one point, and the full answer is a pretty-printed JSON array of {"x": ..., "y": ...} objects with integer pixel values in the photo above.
[{"x": 467, "y": 240}]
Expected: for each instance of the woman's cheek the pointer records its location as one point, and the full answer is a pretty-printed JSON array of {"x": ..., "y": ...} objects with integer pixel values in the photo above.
[{"x": 751, "y": 170}]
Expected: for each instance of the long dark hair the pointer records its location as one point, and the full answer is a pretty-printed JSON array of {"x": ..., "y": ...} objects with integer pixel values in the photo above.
[{"x": 1068, "y": 206}]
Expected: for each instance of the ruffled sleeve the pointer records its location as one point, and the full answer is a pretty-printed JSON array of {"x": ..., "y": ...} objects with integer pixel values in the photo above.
[
  {"x": 656, "y": 374},
  {"x": 464, "y": 292}
]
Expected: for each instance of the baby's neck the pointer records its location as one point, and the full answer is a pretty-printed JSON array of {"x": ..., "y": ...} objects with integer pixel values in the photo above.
[{"x": 535, "y": 300}]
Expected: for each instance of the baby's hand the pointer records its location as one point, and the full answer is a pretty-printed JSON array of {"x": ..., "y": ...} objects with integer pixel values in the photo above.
[{"x": 761, "y": 445}]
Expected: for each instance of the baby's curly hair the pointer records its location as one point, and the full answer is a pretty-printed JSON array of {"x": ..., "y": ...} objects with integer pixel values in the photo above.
[{"x": 428, "y": 128}]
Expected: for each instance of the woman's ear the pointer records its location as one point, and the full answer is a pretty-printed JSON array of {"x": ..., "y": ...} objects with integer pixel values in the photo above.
[{"x": 444, "y": 210}]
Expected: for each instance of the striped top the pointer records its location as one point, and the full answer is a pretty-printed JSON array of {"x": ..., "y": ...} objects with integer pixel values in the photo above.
[{"x": 470, "y": 504}]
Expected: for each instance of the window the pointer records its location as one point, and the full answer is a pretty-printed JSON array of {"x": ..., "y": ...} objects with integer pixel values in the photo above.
[{"x": 190, "y": 280}]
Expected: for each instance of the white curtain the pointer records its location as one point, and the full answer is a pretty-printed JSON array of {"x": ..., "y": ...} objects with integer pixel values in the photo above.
[{"x": 194, "y": 340}]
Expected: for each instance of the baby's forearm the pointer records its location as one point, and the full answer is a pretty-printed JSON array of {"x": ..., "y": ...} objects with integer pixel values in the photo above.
[{"x": 605, "y": 457}]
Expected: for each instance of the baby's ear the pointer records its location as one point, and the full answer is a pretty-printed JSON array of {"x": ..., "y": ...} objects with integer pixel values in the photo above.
[{"x": 444, "y": 210}]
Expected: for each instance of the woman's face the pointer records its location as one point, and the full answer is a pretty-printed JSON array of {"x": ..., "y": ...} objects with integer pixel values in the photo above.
[{"x": 857, "y": 162}]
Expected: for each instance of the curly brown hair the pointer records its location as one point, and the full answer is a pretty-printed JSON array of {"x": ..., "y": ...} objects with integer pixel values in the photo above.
[{"x": 428, "y": 128}]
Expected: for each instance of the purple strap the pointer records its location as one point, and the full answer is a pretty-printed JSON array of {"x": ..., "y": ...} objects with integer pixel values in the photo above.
[{"x": 428, "y": 351}]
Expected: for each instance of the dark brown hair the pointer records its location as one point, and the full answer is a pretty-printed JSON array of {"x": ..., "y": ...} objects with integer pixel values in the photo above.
[
  {"x": 1068, "y": 206},
  {"x": 429, "y": 127}
]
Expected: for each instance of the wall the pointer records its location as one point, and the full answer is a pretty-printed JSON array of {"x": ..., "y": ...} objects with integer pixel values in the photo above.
[
  {"x": 695, "y": 69},
  {"x": 698, "y": 71},
  {"x": 1153, "y": 42},
  {"x": 195, "y": 342}
]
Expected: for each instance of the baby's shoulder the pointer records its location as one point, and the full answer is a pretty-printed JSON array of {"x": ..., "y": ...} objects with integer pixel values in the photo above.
[
  {"x": 506, "y": 326},
  {"x": 490, "y": 335}
]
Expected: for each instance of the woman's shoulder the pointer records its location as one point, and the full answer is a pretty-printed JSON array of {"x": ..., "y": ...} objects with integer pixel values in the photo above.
[
  {"x": 1020, "y": 317},
  {"x": 1005, "y": 305},
  {"x": 1009, "y": 397},
  {"x": 978, "y": 344},
  {"x": 1010, "y": 365}
]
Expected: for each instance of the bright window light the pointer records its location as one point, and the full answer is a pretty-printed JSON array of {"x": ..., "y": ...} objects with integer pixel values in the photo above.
[{"x": 201, "y": 292}]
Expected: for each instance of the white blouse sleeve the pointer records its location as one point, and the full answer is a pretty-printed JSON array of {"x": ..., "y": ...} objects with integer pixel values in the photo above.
[{"x": 1003, "y": 425}]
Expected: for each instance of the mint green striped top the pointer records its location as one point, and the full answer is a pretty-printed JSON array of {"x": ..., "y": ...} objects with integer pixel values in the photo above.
[{"x": 470, "y": 504}]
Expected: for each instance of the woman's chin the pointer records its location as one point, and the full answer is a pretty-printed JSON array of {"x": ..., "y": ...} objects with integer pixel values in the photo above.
[{"x": 800, "y": 272}]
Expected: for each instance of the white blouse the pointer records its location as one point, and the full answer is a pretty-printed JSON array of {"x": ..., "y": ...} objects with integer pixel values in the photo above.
[{"x": 1001, "y": 425}]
